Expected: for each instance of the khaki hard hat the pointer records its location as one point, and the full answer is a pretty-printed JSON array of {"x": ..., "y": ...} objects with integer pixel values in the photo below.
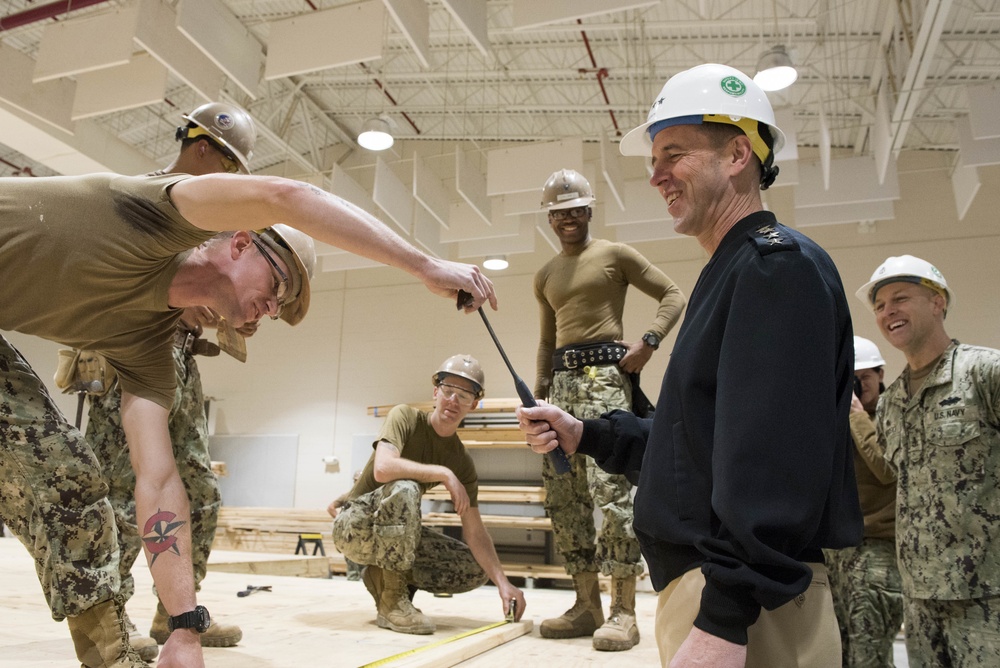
[
  {"x": 866, "y": 354},
  {"x": 566, "y": 189},
  {"x": 909, "y": 269},
  {"x": 465, "y": 366},
  {"x": 712, "y": 93},
  {"x": 297, "y": 250},
  {"x": 229, "y": 125}
]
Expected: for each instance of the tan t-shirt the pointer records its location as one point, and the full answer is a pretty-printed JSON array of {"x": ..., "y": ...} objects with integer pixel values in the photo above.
[
  {"x": 409, "y": 430},
  {"x": 87, "y": 262},
  {"x": 582, "y": 298}
]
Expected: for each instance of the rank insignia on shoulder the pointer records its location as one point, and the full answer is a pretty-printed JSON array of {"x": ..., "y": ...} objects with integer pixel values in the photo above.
[{"x": 770, "y": 239}]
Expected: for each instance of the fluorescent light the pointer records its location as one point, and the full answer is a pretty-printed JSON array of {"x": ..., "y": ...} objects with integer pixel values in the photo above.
[
  {"x": 775, "y": 70},
  {"x": 375, "y": 135},
  {"x": 496, "y": 262}
]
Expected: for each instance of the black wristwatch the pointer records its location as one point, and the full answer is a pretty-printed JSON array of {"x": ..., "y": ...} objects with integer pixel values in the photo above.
[
  {"x": 197, "y": 619},
  {"x": 652, "y": 340}
]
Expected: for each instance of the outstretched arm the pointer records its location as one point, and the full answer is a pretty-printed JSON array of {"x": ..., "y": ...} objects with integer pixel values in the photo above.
[{"x": 221, "y": 202}]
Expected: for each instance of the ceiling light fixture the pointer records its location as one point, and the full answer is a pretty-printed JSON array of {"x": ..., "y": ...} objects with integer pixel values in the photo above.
[
  {"x": 775, "y": 70},
  {"x": 375, "y": 135},
  {"x": 496, "y": 262}
]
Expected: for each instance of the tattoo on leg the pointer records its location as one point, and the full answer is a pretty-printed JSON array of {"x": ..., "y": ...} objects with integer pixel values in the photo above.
[{"x": 160, "y": 534}]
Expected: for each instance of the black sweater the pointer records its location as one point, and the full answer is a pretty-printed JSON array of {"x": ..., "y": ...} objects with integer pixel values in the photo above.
[{"x": 746, "y": 468}]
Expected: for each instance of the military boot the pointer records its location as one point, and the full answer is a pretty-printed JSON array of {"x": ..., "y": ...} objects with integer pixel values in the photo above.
[
  {"x": 619, "y": 633},
  {"x": 584, "y": 617},
  {"x": 143, "y": 645},
  {"x": 395, "y": 611},
  {"x": 219, "y": 634},
  {"x": 100, "y": 638}
]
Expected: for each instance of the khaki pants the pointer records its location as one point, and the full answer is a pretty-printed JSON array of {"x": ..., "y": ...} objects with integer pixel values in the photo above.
[{"x": 802, "y": 633}]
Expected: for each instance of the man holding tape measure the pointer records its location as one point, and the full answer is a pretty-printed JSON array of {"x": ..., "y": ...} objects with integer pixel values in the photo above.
[
  {"x": 105, "y": 262},
  {"x": 380, "y": 523}
]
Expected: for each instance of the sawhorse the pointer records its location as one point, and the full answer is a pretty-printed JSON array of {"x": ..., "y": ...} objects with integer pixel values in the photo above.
[{"x": 315, "y": 538}]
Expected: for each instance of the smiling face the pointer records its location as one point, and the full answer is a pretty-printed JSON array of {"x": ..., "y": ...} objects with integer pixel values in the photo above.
[
  {"x": 689, "y": 173},
  {"x": 909, "y": 315},
  {"x": 571, "y": 226}
]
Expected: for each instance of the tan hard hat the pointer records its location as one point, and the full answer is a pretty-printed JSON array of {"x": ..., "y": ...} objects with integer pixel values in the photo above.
[
  {"x": 228, "y": 125},
  {"x": 465, "y": 366},
  {"x": 297, "y": 250},
  {"x": 566, "y": 189}
]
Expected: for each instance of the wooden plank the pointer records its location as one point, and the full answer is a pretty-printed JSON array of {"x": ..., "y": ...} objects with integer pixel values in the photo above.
[
  {"x": 498, "y": 405},
  {"x": 495, "y": 494},
  {"x": 456, "y": 652},
  {"x": 490, "y": 521}
]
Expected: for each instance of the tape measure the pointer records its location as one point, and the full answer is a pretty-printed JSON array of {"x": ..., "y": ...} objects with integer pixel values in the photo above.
[{"x": 395, "y": 657}]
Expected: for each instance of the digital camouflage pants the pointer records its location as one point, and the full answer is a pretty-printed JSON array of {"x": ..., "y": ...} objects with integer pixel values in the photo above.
[
  {"x": 868, "y": 600},
  {"x": 189, "y": 435},
  {"x": 953, "y": 634},
  {"x": 570, "y": 498},
  {"x": 52, "y": 494},
  {"x": 383, "y": 528}
]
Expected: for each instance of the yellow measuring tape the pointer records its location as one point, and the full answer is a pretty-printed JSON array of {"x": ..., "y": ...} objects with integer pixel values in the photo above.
[{"x": 444, "y": 641}]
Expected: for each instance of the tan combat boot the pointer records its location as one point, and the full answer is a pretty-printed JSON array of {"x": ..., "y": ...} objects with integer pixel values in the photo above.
[
  {"x": 100, "y": 638},
  {"x": 619, "y": 633},
  {"x": 395, "y": 611},
  {"x": 143, "y": 645},
  {"x": 219, "y": 634},
  {"x": 584, "y": 617}
]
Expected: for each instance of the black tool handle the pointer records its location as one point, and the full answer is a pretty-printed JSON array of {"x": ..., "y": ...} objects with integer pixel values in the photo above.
[{"x": 558, "y": 456}]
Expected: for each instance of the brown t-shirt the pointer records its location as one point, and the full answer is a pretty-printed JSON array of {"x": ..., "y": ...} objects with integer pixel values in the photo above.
[
  {"x": 87, "y": 262},
  {"x": 409, "y": 430},
  {"x": 581, "y": 299}
]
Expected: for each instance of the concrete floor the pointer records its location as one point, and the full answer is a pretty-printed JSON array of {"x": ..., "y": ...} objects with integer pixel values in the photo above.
[{"x": 313, "y": 622}]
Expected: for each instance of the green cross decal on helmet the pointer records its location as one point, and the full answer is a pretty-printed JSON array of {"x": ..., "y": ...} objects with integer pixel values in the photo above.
[{"x": 733, "y": 86}]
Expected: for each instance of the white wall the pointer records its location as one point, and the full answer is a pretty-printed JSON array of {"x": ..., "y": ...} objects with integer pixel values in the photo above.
[{"x": 375, "y": 336}]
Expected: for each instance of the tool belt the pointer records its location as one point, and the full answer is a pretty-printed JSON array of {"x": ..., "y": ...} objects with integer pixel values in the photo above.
[
  {"x": 578, "y": 356},
  {"x": 192, "y": 344},
  {"x": 84, "y": 371}
]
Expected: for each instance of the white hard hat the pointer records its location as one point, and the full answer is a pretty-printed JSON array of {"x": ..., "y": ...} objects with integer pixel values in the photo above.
[
  {"x": 908, "y": 269},
  {"x": 866, "y": 354},
  {"x": 566, "y": 189},
  {"x": 296, "y": 249},
  {"x": 711, "y": 93}
]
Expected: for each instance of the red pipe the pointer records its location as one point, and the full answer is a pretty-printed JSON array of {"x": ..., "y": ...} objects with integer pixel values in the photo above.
[
  {"x": 391, "y": 99},
  {"x": 49, "y": 11},
  {"x": 602, "y": 73}
]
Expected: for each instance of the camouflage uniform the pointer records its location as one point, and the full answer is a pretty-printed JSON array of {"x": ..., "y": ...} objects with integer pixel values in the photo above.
[
  {"x": 944, "y": 444},
  {"x": 864, "y": 580},
  {"x": 383, "y": 528},
  {"x": 65, "y": 521},
  {"x": 868, "y": 601},
  {"x": 189, "y": 435},
  {"x": 570, "y": 499}
]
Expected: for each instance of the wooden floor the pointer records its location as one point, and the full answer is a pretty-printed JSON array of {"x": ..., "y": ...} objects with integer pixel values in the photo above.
[{"x": 307, "y": 621}]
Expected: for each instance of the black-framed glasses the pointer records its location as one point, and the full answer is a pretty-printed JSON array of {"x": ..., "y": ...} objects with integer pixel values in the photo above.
[
  {"x": 452, "y": 391},
  {"x": 281, "y": 283},
  {"x": 566, "y": 214}
]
